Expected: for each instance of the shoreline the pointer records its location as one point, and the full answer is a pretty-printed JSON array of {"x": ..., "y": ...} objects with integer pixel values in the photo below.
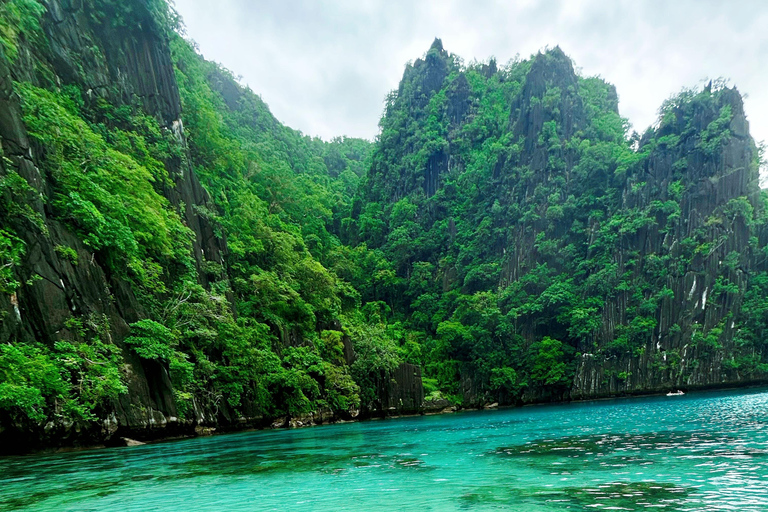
[{"x": 232, "y": 429}]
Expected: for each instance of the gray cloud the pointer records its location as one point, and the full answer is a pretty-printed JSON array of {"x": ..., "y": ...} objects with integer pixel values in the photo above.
[{"x": 324, "y": 67}]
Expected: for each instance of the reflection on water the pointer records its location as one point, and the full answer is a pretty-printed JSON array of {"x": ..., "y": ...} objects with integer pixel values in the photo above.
[{"x": 701, "y": 452}]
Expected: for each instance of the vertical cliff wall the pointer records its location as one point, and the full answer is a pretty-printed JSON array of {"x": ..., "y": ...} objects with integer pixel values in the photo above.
[
  {"x": 555, "y": 255},
  {"x": 128, "y": 65},
  {"x": 709, "y": 253}
]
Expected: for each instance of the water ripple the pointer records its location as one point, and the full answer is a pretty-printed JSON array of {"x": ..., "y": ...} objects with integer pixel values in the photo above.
[{"x": 704, "y": 452}]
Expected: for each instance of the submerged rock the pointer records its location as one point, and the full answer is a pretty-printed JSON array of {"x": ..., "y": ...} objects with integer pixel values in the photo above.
[{"x": 204, "y": 431}]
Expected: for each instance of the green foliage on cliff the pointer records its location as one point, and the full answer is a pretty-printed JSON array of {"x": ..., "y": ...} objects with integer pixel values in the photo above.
[
  {"x": 504, "y": 229},
  {"x": 73, "y": 381},
  {"x": 17, "y": 18},
  {"x": 266, "y": 335},
  {"x": 109, "y": 196},
  {"x": 106, "y": 164},
  {"x": 518, "y": 225},
  {"x": 278, "y": 195},
  {"x": 11, "y": 253}
]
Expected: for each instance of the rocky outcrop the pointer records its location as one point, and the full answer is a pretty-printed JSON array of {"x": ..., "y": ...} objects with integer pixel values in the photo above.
[
  {"x": 130, "y": 64},
  {"x": 402, "y": 392},
  {"x": 672, "y": 359},
  {"x": 60, "y": 290},
  {"x": 427, "y": 75},
  {"x": 634, "y": 254},
  {"x": 126, "y": 65},
  {"x": 550, "y": 80}
]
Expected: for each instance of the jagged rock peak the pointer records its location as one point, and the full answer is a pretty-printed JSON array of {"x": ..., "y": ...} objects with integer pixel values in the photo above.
[
  {"x": 551, "y": 67},
  {"x": 551, "y": 71},
  {"x": 556, "y": 53},
  {"x": 705, "y": 106},
  {"x": 429, "y": 72},
  {"x": 437, "y": 44}
]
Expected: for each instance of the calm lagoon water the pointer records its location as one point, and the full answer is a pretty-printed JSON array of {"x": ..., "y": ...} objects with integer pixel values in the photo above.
[{"x": 698, "y": 452}]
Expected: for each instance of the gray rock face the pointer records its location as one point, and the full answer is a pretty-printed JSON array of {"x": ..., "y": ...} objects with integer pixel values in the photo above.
[
  {"x": 671, "y": 360},
  {"x": 128, "y": 65},
  {"x": 124, "y": 66},
  {"x": 403, "y": 392},
  {"x": 542, "y": 201},
  {"x": 548, "y": 71}
]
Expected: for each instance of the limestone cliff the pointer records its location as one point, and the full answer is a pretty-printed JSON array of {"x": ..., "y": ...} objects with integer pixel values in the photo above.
[
  {"x": 719, "y": 180},
  {"x": 123, "y": 65},
  {"x": 92, "y": 125},
  {"x": 554, "y": 255}
]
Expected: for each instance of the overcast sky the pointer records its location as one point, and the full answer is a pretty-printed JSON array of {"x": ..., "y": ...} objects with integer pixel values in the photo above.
[{"x": 324, "y": 67}]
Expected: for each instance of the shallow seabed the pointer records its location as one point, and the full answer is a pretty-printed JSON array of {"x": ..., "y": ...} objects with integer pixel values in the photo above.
[{"x": 699, "y": 452}]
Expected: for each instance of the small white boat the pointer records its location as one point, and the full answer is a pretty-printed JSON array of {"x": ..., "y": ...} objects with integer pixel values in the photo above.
[{"x": 675, "y": 393}]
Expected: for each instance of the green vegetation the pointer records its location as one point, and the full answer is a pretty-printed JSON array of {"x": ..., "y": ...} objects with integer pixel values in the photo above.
[
  {"x": 75, "y": 380},
  {"x": 510, "y": 223},
  {"x": 504, "y": 225},
  {"x": 108, "y": 196},
  {"x": 20, "y": 17},
  {"x": 266, "y": 336}
]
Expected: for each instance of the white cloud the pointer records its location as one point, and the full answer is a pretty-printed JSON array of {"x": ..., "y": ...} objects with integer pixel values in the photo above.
[{"x": 324, "y": 67}]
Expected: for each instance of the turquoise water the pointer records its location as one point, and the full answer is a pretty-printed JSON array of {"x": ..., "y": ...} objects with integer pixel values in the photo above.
[{"x": 705, "y": 451}]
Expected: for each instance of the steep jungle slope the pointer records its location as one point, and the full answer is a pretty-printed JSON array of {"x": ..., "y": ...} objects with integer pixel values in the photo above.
[
  {"x": 153, "y": 281},
  {"x": 548, "y": 254}
]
